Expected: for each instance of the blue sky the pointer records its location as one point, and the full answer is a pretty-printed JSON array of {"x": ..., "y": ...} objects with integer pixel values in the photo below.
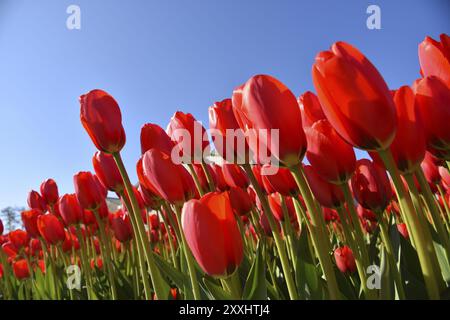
[{"x": 157, "y": 57}]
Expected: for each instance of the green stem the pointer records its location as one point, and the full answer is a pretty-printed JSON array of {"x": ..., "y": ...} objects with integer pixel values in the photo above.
[
  {"x": 391, "y": 256},
  {"x": 208, "y": 177},
  {"x": 424, "y": 245},
  {"x": 189, "y": 259},
  {"x": 161, "y": 289},
  {"x": 276, "y": 234},
  {"x": 435, "y": 215},
  {"x": 318, "y": 230},
  {"x": 196, "y": 180}
]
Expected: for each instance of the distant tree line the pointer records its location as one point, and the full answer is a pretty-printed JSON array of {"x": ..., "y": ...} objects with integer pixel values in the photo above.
[{"x": 10, "y": 217}]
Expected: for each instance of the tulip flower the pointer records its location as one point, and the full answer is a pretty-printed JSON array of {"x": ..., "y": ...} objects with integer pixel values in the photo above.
[
  {"x": 329, "y": 195},
  {"x": 434, "y": 58},
  {"x": 70, "y": 209},
  {"x": 371, "y": 186},
  {"x": 89, "y": 193},
  {"x": 209, "y": 226},
  {"x": 228, "y": 137},
  {"x": 154, "y": 221},
  {"x": 164, "y": 176},
  {"x": 430, "y": 171},
  {"x": 403, "y": 230},
  {"x": 121, "y": 226},
  {"x": 366, "y": 214},
  {"x": 282, "y": 181},
  {"x": 354, "y": 97},
  {"x": 19, "y": 238},
  {"x": 29, "y": 220},
  {"x": 70, "y": 242},
  {"x": 49, "y": 191},
  {"x": 154, "y": 137},
  {"x": 311, "y": 109},
  {"x": 217, "y": 172},
  {"x": 240, "y": 201},
  {"x": 36, "y": 201},
  {"x": 345, "y": 260},
  {"x": 21, "y": 269},
  {"x": 432, "y": 96},
  {"x": 277, "y": 207},
  {"x": 264, "y": 104},
  {"x": 408, "y": 147},
  {"x": 51, "y": 229},
  {"x": 189, "y": 136},
  {"x": 444, "y": 173},
  {"x": 101, "y": 118},
  {"x": 107, "y": 172},
  {"x": 234, "y": 176},
  {"x": 331, "y": 157}
]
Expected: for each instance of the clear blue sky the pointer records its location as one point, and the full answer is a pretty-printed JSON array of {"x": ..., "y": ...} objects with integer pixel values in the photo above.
[{"x": 157, "y": 57}]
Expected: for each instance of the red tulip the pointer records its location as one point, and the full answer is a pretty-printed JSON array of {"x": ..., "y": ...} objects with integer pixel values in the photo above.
[
  {"x": 29, "y": 220},
  {"x": 210, "y": 227},
  {"x": 434, "y": 58},
  {"x": 154, "y": 221},
  {"x": 70, "y": 209},
  {"x": 371, "y": 186},
  {"x": 49, "y": 191},
  {"x": 121, "y": 226},
  {"x": 264, "y": 103},
  {"x": 366, "y": 214},
  {"x": 329, "y": 214},
  {"x": 189, "y": 136},
  {"x": 432, "y": 97},
  {"x": 20, "y": 269},
  {"x": 19, "y": 239},
  {"x": 235, "y": 176},
  {"x": 240, "y": 201},
  {"x": 282, "y": 181},
  {"x": 430, "y": 171},
  {"x": 345, "y": 261},
  {"x": 217, "y": 171},
  {"x": 51, "y": 229},
  {"x": 9, "y": 249},
  {"x": 277, "y": 207},
  {"x": 311, "y": 109},
  {"x": 329, "y": 195},
  {"x": 70, "y": 242},
  {"x": 331, "y": 157},
  {"x": 354, "y": 97},
  {"x": 101, "y": 118},
  {"x": 444, "y": 173},
  {"x": 107, "y": 172},
  {"x": 35, "y": 201},
  {"x": 89, "y": 193},
  {"x": 164, "y": 176},
  {"x": 229, "y": 139},
  {"x": 403, "y": 230},
  {"x": 153, "y": 136},
  {"x": 408, "y": 147}
]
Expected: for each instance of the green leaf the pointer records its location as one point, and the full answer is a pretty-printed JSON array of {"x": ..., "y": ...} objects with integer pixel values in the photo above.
[
  {"x": 387, "y": 285},
  {"x": 255, "y": 286},
  {"x": 216, "y": 292},
  {"x": 181, "y": 280}
]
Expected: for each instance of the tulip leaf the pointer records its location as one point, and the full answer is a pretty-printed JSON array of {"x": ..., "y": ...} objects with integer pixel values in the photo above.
[
  {"x": 181, "y": 280},
  {"x": 387, "y": 290},
  {"x": 216, "y": 292},
  {"x": 255, "y": 286}
]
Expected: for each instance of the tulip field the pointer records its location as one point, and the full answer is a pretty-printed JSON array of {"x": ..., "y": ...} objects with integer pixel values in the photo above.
[{"x": 268, "y": 203}]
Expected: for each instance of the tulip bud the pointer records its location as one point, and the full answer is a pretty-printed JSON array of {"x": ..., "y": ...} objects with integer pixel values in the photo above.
[
  {"x": 311, "y": 109},
  {"x": 89, "y": 193},
  {"x": 107, "y": 172},
  {"x": 101, "y": 118},
  {"x": 35, "y": 201},
  {"x": 29, "y": 220},
  {"x": 49, "y": 191},
  {"x": 264, "y": 104},
  {"x": 154, "y": 137},
  {"x": 240, "y": 201},
  {"x": 281, "y": 181},
  {"x": 403, "y": 230},
  {"x": 345, "y": 260},
  {"x": 121, "y": 226},
  {"x": 19, "y": 239},
  {"x": 354, "y": 97},
  {"x": 329, "y": 195},
  {"x": 217, "y": 171},
  {"x": 432, "y": 97},
  {"x": 434, "y": 58},
  {"x": 70, "y": 209},
  {"x": 331, "y": 157},
  {"x": 51, "y": 229},
  {"x": 209, "y": 226},
  {"x": 20, "y": 269},
  {"x": 235, "y": 176}
]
